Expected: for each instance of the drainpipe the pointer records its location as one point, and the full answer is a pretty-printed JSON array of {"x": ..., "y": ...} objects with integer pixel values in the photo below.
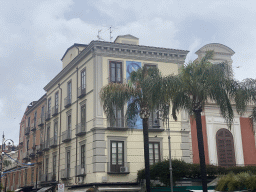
[
  {"x": 59, "y": 133},
  {"x": 76, "y": 116}
]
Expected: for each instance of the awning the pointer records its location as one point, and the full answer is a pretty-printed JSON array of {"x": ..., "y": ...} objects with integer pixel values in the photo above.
[
  {"x": 17, "y": 190},
  {"x": 44, "y": 189},
  {"x": 109, "y": 188}
]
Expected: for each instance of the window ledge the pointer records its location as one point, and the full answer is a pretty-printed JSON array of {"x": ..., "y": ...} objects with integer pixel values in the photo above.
[
  {"x": 115, "y": 173},
  {"x": 118, "y": 128},
  {"x": 155, "y": 130}
]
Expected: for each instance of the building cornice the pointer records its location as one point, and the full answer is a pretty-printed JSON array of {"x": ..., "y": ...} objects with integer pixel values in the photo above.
[
  {"x": 125, "y": 51},
  {"x": 39, "y": 102}
]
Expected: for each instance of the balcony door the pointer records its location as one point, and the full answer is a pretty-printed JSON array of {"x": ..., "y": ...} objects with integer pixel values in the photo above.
[{"x": 117, "y": 156}]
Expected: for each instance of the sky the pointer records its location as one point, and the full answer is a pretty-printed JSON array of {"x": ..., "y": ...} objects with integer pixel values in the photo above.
[{"x": 34, "y": 35}]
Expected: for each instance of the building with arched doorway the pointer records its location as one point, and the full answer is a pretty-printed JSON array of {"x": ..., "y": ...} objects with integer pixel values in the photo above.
[{"x": 224, "y": 146}]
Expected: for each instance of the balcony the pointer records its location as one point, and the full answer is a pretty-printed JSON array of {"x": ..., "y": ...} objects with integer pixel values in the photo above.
[
  {"x": 65, "y": 174},
  {"x": 154, "y": 125},
  {"x": 40, "y": 121},
  {"x": 117, "y": 124},
  {"x": 55, "y": 110},
  {"x": 80, "y": 129},
  {"x": 48, "y": 177},
  {"x": 31, "y": 153},
  {"x": 47, "y": 115},
  {"x": 80, "y": 171},
  {"x": 26, "y": 156},
  {"x": 53, "y": 142},
  {"x": 46, "y": 145},
  {"x": 27, "y": 130},
  {"x": 81, "y": 91},
  {"x": 66, "y": 136},
  {"x": 33, "y": 125},
  {"x": 67, "y": 101},
  {"x": 39, "y": 149},
  {"x": 119, "y": 169}
]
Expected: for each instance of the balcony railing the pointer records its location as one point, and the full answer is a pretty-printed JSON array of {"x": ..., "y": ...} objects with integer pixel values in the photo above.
[
  {"x": 65, "y": 174},
  {"x": 33, "y": 125},
  {"x": 154, "y": 125},
  {"x": 81, "y": 91},
  {"x": 26, "y": 156},
  {"x": 48, "y": 177},
  {"x": 47, "y": 115},
  {"x": 39, "y": 149},
  {"x": 46, "y": 145},
  {"x": 55, "y": 110},
  {"x": 67, "y": 101},
  {"x": 117, "y": 124},
  {"x": 53, "y": 142},
  {"x": 80, "y": 171},
  {"x": 40, "y": 121},
  {"x": 80, "y": 129},
  {"x": 27, "y": 130},
  {"x": 31, "y": 153},
  {"x": 115, "y": 168},
  {"x": 66, "y": 136}
]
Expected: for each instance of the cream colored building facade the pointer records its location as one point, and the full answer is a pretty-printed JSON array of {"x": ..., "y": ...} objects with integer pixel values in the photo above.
[{"x": 82, "y": 145}]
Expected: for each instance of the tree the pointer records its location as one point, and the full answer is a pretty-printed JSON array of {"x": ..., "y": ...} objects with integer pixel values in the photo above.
[
  {"x": 197, "y": 83},
  {"x": 142, "y": 94}
]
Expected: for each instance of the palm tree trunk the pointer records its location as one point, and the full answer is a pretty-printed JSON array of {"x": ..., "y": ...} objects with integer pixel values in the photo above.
[
  {"x": 146, "y": 153},
  {"x": 200, "y": 140}
]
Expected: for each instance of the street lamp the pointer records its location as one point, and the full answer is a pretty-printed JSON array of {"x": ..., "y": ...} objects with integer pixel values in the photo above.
[{"x": 2, "y": 155}]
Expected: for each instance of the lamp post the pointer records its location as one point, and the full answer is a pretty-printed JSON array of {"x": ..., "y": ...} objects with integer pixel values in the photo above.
[{"x": 2, "y": 155}]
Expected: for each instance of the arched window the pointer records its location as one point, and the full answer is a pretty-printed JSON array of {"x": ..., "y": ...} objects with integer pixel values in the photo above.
[{"x": 225, "y": 148}]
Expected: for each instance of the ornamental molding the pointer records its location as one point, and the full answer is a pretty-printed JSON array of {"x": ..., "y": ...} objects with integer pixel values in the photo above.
[{"x": 125, "y": 51}]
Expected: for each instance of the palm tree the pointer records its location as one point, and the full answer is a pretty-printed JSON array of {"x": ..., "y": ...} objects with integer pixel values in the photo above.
[
  {"x": 198, "y": 82},
  {"x": 141, "y": 95}
]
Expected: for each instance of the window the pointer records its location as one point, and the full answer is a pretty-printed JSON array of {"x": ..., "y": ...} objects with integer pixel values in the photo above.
[
  {"x": 69, "y": 122},
  {"x": 32, "y": 176},
  {"x": 153, "y": 120},
  {"x": 34, "y": 140},
  {"x": 35, "y": 118},
  {"x": 55, "y": 131},
  {"x": 48, "y": 133},
  {"x": 149, "y": 65},
  {"x": 115, "y": 69},
  {"x": 116, "y": 155},
  {"x": 69, "y": 90},
  {"x": 54, "y": 164},
  {"x": 82, "y": 156},
  {"x": 41, "y": 137},
  {"x": 46, "y": 168},
  {"x": 68, "y": 163},
  {"x": 42, "y": 113},
  {"x": 26, "y": 176},
  {"x": 154, "y": 152},
  {"x": 56, "y": 101},
  {"x": 49, "y": 104},
  {"x": 118, "y": 119},
  {"x": 28, "y": 121},
  {"x": 83, "y": 79},
  {"x": 14, "y": 180},
  {"x": 27, "y": 144},
  {"x": 83, "y": 117}
]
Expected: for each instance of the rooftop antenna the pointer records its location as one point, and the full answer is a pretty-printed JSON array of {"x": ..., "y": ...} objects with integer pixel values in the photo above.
[
  {"x": 110, "y": 33},
  {"x": 98, "y": 36}
]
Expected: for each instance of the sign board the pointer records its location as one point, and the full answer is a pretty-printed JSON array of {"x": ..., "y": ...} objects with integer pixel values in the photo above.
[{"x": 61, "y": 187}]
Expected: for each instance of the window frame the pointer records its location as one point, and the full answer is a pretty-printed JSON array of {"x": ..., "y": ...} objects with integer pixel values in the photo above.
[
  {"x": 159, "y": 151},
  {"x": 56, "y": 97},
  {"x": 83, "y": 79},
  {"x": 121, "y": 71}
]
